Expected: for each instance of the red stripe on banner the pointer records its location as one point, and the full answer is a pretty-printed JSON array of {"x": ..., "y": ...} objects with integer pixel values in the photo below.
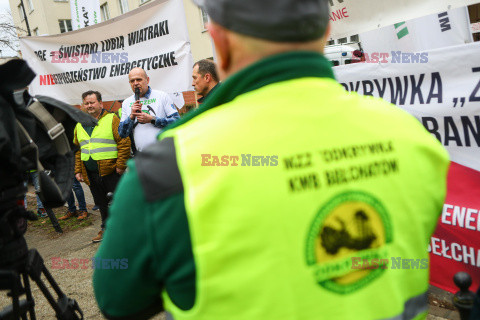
[{"x": 455, "y": 245}]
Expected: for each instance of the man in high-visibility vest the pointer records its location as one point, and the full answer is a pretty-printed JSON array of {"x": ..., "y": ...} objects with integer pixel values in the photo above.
[
  {"x": 103, "y": 154},
  {"x": 283, "y": 196}
]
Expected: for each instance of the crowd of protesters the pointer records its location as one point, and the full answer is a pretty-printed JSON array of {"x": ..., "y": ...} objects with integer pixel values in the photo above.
[{"x": 103, "y": 150}]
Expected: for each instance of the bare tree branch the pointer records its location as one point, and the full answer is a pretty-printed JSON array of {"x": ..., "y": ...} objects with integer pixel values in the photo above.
[{"x": 9, "y": 32}]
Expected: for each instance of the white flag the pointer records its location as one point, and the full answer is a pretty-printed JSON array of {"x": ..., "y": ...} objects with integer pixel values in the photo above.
[
  {"x": 349, "y": 17},
  {"x": 439, "y": 30},
  {"x": 84, "y": 13}
]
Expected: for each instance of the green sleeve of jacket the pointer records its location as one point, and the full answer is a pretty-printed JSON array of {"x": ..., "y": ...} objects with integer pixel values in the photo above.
[{"x": 154, "y": 237}]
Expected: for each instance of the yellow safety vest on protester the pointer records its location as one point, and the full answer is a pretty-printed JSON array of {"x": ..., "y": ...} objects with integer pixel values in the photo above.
[
  {"x": 101, "y": 145},
  {"x": 301, "y": 214}
]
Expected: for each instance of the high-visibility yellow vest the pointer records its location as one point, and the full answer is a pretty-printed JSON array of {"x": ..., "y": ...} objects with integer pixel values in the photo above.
[
  {"x": 101, "y": 145},
  {"x": 315, "y": 191}
]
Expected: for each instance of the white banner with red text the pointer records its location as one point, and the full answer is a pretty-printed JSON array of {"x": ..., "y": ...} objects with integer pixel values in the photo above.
[
  {"x": 153, "y": 37},
  {"x": 441, "y": 88},
  {"x": 349, "y": 17}
]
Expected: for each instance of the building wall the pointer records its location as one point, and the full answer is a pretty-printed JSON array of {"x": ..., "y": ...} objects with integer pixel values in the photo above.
[
  {"x": 46, "y": 15},
  {"x": 200, "y": 41}
]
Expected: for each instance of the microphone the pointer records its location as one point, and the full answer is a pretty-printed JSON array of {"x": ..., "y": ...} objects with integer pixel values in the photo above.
[{"x": 137, "y": 94}]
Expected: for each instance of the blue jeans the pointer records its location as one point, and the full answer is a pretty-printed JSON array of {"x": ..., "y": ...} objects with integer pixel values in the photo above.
[
  {"x": 77, "y": 187},
  {"x": 34, "y": 176}
]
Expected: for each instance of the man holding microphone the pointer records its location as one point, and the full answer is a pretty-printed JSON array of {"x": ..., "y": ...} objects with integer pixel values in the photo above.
[{"x": 146, "y": 112}]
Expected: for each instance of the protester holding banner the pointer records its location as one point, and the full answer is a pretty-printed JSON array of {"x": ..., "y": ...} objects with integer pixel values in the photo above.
[
  {"x": 205, "y": 78},
  {"x": 103, "y": 154},
  {"x": 248, "y": 209},
  {"x": 145, "y": 115}
]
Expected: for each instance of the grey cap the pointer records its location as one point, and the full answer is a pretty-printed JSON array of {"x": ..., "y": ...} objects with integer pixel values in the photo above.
[{"x": 275, "y": 20}]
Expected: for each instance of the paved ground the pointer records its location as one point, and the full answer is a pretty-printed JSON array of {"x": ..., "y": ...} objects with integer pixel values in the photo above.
[
  {"x": 440, "y": 305},
  {"x": 76, "y": 283}
]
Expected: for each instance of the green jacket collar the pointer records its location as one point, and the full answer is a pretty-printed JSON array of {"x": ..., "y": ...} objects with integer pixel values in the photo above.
[
  {"x": 202, "y": 99},
  {"x": 277, "y": 68}
]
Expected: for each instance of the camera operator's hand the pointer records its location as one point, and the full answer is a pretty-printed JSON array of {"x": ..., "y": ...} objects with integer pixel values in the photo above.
[
  {"x": 119, "y": 171},
  {"x": 79, "y": 177},
  {"x": 136, "y": 110}
]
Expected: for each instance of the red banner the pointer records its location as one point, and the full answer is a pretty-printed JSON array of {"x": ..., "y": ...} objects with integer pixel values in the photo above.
[{"x": 455, "y": 245}]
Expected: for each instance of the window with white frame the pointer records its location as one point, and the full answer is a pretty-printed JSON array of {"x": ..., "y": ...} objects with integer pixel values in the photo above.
[
  {"x": 20, "y": 12},
  {"x": 104, "y": 11},
  {"x": 123, "y": 6},
  {"x": 30, "y": 5},
  {"x": 65, "y": 25},
  {"x": 204, "y": 18}
]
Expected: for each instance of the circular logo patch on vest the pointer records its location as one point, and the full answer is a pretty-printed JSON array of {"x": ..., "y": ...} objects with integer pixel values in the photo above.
[{"x": 347, "y": 242}]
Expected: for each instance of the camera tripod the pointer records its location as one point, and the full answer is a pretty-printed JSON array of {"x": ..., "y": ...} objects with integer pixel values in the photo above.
[
  {"x": 18, "y": 264},
  {"x": 54, "y": 220}
]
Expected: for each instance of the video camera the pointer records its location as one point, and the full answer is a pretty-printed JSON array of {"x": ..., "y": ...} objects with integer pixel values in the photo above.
[{"x": 36, "y": 133}]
